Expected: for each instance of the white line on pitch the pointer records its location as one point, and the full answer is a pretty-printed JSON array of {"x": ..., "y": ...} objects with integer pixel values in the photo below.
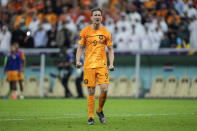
[{"x": 72, "y": 116}]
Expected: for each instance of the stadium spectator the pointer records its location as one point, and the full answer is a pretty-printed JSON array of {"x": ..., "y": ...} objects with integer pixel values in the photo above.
[
  {"x": 5, "y": 38},
  {"x": 134, "y": 15},
  {"x": 40, "y": 37},
  {"x": 179, "y": 6},
  {"x": 109, "y": 24},
  {"x": 173, "y": 39},
  {"x": 190, "y": 10},
  {"x": 64, "y": 37},
  {"x": 46, "y": 26},
  {"x": 28, "y": 40},
  {"x": 123, "y": 22},
  {"x": 134, "y": 42},
  {"x": 165, "y": 41},
  {"x": 51, "y": 16},
  {"x": 183, "y": 31},
  {"x": 33, "y": 26},
  {"x": 51, "y": 43},
  {"x": 147, "y": 39},
  {"x": 122, "y": 38},
  {"x": 18, "y": 35},
  {"x": 193, "y": 33}
]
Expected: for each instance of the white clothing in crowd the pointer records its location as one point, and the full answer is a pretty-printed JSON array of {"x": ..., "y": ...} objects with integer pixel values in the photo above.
[
  {"x": 33, "y": 26},
  {"x": 193, "y": 34},
  {"x": 5, "y": 39}
]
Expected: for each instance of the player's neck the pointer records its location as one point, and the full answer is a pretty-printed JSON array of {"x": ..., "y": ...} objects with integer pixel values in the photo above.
[{"x": 96, "y": 26}]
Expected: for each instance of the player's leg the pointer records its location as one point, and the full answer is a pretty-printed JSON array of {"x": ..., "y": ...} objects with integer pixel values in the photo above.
[
  {"x": 21, "y": 88},
  {"x": 20, "y": 81},
  {"x": 13, "y": 78},
  {"x": 91, "y": 104},
  {"x": 90, "y": 82},
  {"x": 102, "y": 100},
  {"x": 103, "y": 81},
  {"x": 13, "y": 89}
]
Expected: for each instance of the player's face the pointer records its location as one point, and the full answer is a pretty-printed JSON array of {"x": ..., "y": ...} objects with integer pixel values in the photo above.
[
  {"x": 13, "y": 49},
  {"x": 96, "y": 17}
]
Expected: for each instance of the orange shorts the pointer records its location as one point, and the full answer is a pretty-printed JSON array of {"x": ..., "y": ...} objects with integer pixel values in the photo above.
[
  {"x": 12, "y": 76},
  {"x": 93, "y": 76},
  {"x": 21, "y": 77}
]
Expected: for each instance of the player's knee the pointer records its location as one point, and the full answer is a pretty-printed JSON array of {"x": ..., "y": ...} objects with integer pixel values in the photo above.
[
  {"x": 104, "y": 88},
  {"x": 91, "y": 90}
]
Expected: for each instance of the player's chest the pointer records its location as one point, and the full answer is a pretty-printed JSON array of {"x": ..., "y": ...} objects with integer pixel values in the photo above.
[{"x": 96, "y": 39}]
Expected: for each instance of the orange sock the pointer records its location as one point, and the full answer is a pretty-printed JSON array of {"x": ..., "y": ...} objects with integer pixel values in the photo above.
[
  {"x": 102, "y": 99},
  {"x": 91, "y": 103}
]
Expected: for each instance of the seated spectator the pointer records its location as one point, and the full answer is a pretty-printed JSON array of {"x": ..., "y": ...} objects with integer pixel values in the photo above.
[{"x": 165, "y": 41}]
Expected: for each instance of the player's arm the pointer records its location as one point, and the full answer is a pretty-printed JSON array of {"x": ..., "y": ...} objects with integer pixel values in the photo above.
[
  {"x": 5, "y": 65},
  {"x": 23, "y": 62},
  {"x": 111, "y": 58},
  {"x": 79, "y": 55},
  {"x": 111, "y": 52}
]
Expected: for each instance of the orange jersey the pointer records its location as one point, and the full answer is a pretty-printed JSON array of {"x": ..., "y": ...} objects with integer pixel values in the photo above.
[{"x": 95, "y": 42}]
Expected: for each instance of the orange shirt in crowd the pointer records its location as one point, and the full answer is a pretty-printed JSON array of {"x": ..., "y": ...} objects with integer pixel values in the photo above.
[
  {"x": 170, "y": 19},
  {"x": 52, "y": 18}
]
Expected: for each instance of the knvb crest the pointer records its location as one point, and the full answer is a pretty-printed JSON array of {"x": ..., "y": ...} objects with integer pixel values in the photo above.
[{"x": 101, "y": 38}]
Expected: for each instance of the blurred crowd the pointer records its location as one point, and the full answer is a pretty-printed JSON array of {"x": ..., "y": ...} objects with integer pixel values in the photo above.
[{"x": 134, "y": 24}]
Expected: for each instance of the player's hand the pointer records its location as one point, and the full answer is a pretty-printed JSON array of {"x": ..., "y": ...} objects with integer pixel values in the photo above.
[
  {"x": 19, "y": 74},
  {"x": 78, "y": 64},
  {"x": 111, "y": 68}
]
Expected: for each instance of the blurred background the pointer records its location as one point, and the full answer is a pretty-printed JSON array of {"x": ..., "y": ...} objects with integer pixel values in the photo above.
[{"x": 155, "y": 43}]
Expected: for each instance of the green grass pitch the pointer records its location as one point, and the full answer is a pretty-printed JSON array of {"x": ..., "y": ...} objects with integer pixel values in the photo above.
[{"x": 121, "y": 115}]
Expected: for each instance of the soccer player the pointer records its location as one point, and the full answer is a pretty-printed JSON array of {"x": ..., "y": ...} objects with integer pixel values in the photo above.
[
  {"x": 13, "y": 69},
  {"x": 95, "y": 38},
  {"x": 21, "y": 76}
]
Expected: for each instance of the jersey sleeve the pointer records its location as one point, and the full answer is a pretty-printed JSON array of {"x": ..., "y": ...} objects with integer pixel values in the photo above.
[
  {"x": 23, "y": 56},
  {"x": 109, "y": 41},
  {"x": 82, "y": 38}
]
